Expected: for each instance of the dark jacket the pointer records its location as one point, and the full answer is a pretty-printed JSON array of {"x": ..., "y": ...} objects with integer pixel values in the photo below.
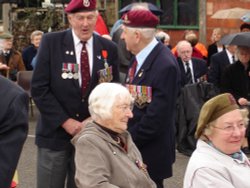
[
  {"x": 28, "y": 54},
  {"x": 219, "y": 62},
  {"x": 152, "y": 127},
  {"x": 59, "y": 99},
  {"x": 190, "y": 101},
  {"x": 236, "y": 80},
  {"x": 13, "y": 128},
  {"x": 199, "y": 69}
]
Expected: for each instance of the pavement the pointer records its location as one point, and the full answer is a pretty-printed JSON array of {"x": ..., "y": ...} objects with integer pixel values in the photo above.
[{"x": 27, "y": 162}]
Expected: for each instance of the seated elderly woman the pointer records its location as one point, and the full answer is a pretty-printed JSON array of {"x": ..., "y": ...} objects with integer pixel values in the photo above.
[
  {"x": 105, "y": 155},
  {"x": 218, "y": 160}
]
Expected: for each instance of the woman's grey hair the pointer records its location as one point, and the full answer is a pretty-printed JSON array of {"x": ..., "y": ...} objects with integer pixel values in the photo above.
[
  {"x": 103, "y": 97},
  {"x": 209, "y": 128},
  {"x": 35, "y": 33}
]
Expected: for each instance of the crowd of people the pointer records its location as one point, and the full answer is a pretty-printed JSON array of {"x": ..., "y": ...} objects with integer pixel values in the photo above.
[{"x": 111, "y": 107}]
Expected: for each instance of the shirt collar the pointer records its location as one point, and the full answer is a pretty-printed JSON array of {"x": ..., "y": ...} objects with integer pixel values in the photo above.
[{"x": 143, "y": 54}]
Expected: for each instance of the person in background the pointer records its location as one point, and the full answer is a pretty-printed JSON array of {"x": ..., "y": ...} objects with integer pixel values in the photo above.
[
  {"x": 219, "y": 61},
  {"x": 29, "y": 52},
  {"x": 218, "y": 160},
  {"x": 199, "y": 46},
  {"x": 14, "y": 115},
  {"x": 154, "y": 80},
  {"x": 70, "y": 64},
  {"x": 245, "y": 27},
  {"x": 198, "y": 67},
  {"x": 101, "y": 27},
  {"x": 164, "y": 38},
  {"x": 105, "y": 139},
  {"x": 235, "y": 80},
  {"x": 10, "y": 59},
  {"x": 215, "y": 47}
]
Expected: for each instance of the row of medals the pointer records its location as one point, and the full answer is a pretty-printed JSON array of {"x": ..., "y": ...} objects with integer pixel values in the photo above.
[{"x": 70, "y": 75}]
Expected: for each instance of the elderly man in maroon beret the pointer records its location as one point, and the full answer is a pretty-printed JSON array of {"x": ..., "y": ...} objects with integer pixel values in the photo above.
[
  {"x": 69, "y": 65},
  {"x": 154, "y": 81}
]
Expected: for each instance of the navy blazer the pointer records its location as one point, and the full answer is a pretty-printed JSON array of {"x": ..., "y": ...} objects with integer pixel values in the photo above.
[
  {"x": 152, "y": 127},
  {"x": 59, "y": 99},
  {"x": 199, "y": 69},
  {"x": 219, "y": 62},
  {"x": 13, "y": 128}
]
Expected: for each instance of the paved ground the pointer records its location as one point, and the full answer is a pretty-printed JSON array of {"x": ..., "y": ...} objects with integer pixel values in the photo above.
[{"x": 27, "y": 163}]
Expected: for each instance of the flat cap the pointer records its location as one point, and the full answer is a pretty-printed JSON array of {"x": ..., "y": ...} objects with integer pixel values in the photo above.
[
  {"x": 6, "y": 36},
  {"x": 140, "y": 18},
  {"x": 80, "y": 6},
  {"x": 213, "y": 109}
]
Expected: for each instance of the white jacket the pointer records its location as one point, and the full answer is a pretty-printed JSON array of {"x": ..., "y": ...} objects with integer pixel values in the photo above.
[{"x": 209, "y": 168}]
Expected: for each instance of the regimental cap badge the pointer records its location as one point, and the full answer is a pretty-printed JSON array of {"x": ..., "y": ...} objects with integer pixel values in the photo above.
[
  {"x": 125, "y": 19},
  {"x": 86, "y": 3}
]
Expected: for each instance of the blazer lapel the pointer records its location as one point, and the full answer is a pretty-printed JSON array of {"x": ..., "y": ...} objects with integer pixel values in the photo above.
[
  {"x": 69, "y": 55},
  {"x": 142, "y": 72}
]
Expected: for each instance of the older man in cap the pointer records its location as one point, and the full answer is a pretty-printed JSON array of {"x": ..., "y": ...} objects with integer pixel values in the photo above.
[
  {"x": 69, "y": 65},
  {"x": 10, "y": 59},
  {"x": 154, "y": 80},
  {"x": 218, "y": 160}
]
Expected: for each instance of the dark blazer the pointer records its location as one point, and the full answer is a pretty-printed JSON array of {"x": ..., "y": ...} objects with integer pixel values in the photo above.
[
  {"x": 152, "y": 127},
  {"x": 211, "y": 50},
  {"x": 236, "y": 80},
  {"x": 13, "y": 128},
  {"x": 199, "y": 69},
  {"x": 219, "y": 62},
  {"x": 59, "y": 99}
]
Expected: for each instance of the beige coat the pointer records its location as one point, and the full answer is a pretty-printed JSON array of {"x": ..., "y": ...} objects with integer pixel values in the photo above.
[
  {"x": 210, "y": 168},
  {"x": 102, "y": 163}
]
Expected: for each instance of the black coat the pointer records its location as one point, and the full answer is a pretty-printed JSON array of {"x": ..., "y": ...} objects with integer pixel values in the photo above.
[
  {"x": 190, "y": 101},
  {"x": 13, "y": 128},
  {"x": 219, "y": 62},
  {"x": 236, "y": 80}
]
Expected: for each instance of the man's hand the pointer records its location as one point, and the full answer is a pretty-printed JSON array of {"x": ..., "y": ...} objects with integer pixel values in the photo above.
[{"x": 72, "y": 126}]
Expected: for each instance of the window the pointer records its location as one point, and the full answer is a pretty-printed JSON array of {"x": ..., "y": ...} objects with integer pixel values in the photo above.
[{"x": 176, "y": 13}]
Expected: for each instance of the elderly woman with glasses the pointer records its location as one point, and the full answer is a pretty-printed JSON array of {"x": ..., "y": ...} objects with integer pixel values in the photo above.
[
  {"x": 218, "y": 160},
  {"x": 106, "y": 156}
]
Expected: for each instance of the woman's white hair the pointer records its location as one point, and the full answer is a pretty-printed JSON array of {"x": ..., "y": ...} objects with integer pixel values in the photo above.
[{"x": 103, "y": 97}]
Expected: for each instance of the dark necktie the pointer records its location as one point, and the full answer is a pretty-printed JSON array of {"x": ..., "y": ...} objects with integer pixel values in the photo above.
[
  {"x": 188, "y": 74},
  {"x": 132, "y": 71},
  {"x": 233, "y": 59},
  {"x": 84, "y": 68}
]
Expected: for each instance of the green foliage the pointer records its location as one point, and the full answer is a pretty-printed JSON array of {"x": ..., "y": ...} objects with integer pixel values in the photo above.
[{"x": 30, "y": 19}]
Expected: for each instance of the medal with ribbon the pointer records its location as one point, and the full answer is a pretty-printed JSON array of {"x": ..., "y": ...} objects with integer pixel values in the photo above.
[
  {"x": 105, "y": 75},
  {"x": 141, "y": 94},
  {"x": 70, "y": 71}
]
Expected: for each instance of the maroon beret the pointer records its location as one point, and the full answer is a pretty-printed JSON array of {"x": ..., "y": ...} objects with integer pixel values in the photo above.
[
  {"x": 80, "y": 6},
  {"x": 140, "y": 18}
]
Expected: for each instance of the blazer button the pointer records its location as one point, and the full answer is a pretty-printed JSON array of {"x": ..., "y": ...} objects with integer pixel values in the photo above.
[
  {"x": 77, "y": 115},
  {"x": 83, "y": 100}
]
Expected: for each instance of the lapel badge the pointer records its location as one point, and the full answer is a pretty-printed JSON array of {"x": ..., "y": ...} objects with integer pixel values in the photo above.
[{"x": 140, "y": 74}]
